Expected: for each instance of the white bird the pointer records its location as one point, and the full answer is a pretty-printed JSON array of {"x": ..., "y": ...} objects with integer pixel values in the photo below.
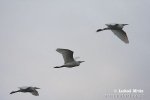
[
  {"x": 69, "y": 61},
  {"x": 117, "y": 29},
  {"x": 26, "y": 89}
]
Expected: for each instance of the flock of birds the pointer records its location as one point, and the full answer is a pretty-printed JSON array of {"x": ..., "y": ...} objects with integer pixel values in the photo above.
[{"x": 69, "y": 60}]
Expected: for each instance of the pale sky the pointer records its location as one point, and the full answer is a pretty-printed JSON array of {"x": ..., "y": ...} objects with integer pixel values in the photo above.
[{"x": 32, "y": 30}]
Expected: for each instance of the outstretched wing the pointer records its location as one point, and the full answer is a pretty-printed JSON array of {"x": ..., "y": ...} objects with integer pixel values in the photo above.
[
  {"x": 121, "y": 35},
  {"x": 67, "y": 55}
]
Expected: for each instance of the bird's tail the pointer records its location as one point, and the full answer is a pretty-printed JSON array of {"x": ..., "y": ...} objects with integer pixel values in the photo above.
[{"x": 14, "y": 92}]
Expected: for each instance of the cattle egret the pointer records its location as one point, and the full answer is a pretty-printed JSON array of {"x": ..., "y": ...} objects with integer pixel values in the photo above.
[
  {"x": 31, "y": 90},
  {"x": 69, "y": 61},
  {"x": 117, "y": 29}
]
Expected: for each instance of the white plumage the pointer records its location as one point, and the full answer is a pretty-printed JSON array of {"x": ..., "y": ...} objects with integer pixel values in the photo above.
[
  {"x": 117, "y": 29},
  {"x": 69, "y": 60},
  {"x": 26, "y": 89}
]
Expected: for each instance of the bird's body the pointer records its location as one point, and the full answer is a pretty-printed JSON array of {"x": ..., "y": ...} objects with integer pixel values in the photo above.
[
  {"x": 117, "y": 29},
  {"x": 27, "y": 89},
  {"x": 69, "y": 65},
  {"x": 69, "y": 61}
]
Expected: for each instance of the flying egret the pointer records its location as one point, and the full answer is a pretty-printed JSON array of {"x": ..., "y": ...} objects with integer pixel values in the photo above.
[
  {"x": 117, "y": 29},
  {"x": 26, "y": 89},
  {"x": 69, "y": 61}
]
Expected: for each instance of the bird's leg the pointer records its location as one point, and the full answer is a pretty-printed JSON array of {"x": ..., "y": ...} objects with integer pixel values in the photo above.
[
  {"x": 102, "y": 29},
  {"x": 14, "y": 91},
  {"x": 58, "y": 66}
]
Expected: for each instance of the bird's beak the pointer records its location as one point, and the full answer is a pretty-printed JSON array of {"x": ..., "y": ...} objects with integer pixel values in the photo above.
[
  {"x": 82, "y": 61},
  {"x": 37, "y": 88}
]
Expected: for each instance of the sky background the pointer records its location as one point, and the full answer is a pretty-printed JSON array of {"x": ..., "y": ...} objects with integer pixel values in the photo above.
[{"x": 32, "y": 30}]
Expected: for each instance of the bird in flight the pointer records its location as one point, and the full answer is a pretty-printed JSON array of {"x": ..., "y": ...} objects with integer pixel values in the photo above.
[
  {"x": 26, "y": 89},
  {"x": 117, "y": 29},
  {"x": 69, "y": 60}
]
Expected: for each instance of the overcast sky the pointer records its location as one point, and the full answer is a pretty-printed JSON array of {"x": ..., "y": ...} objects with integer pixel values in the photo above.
[{"x": 32, "y": 30}]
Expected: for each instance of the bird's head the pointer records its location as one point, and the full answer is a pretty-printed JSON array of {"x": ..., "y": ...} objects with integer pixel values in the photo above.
[{"x": 120, "y": 25}]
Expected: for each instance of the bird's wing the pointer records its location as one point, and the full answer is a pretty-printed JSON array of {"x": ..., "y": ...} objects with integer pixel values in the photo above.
[
  {"x": 111, "y": 25},
  {"x": 121, "y": 35},
  {"x": 23, "y": 87},
  {"x": 34, "y": 92},
  {"x": 67, "y": 55}
]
